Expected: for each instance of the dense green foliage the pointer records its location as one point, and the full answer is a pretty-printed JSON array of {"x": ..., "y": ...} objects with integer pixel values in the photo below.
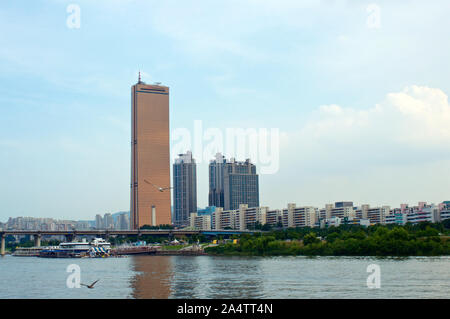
[
  {"x": 118, "y": 240},
  {"x": 424, "y": 239},
  {"x": 11, "y": 245}
]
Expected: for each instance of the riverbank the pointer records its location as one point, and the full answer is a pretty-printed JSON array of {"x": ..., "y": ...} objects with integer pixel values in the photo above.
[{"x": 347, "y": 240}]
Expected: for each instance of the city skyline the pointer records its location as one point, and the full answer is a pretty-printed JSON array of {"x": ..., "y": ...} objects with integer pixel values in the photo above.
[
  {"x": 322, "y": 211},
  {"x": 377, "y": 135}
]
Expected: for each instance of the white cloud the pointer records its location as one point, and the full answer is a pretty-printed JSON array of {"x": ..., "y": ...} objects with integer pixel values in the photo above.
[
  {"x": 396, "y": 151},
  {"x": 416, "y": 118}
]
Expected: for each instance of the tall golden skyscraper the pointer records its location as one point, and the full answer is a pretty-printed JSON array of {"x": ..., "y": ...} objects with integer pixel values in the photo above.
[{"x": 150, "y": 155}]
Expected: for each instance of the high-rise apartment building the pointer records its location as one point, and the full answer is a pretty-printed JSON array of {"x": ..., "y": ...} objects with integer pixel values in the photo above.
[
  {"x": 98, "y": 221},
  {"x": 184, "y": 188},
  {"x": 123, "y": 222},
  {"x": 241, "y": 185},
  {"x": 108, "y": 221},
  {"x": 232, "y": 183},
  {"x": 150, "y": 155}
]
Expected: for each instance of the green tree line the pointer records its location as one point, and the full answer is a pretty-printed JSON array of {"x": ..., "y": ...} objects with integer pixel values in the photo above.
[{"x": 423, "y": 239}]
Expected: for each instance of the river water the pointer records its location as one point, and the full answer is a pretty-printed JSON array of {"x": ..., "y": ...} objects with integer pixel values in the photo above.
[{"x": 225, "y": 277}]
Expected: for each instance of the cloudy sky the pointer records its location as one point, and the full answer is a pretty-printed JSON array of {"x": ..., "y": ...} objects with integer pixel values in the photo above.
[{"x": 357, "y": 89}]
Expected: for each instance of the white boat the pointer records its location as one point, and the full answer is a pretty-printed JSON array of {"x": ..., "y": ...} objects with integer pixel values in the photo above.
[
  {"x": 27, "y": 251},
  {"x": 100, "y": 242},
  {"x": 97, "y": 248}
]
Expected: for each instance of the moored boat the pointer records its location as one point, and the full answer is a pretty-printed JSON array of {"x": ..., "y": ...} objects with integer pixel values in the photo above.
[
  {"x": 27, "y": 251},
  {"x": 97, "y": 248}
]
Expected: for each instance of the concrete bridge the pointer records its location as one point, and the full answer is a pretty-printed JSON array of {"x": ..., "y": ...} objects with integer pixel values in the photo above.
[{"x": 71, "y": 234}]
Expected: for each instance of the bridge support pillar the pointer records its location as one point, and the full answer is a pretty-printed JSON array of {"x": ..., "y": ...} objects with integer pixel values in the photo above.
[
  {"x": 37, "y": 240},
  {"x": 2, "y": 246}
]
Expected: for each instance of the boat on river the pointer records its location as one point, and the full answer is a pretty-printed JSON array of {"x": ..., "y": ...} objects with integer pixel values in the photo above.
[
  {"x": 27, "y": 251},
  {"x": 97, "y": 248}
]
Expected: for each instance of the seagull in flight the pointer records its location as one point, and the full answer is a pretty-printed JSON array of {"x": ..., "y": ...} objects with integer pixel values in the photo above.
[
  {"x": 91, "y": 285},
  {"x": 161, "y": 189}
]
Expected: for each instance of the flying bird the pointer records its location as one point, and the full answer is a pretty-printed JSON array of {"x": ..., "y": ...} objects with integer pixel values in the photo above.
[
  {"x": 91, "y": 285},
  {"x": 161, "y": 189}
]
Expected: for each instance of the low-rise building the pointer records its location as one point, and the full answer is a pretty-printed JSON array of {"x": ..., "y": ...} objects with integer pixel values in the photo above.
[
  {"x": 274, "y": 218},
  {"x": 444, "y": 210},
  {"x": 377, "y": 215},
  {"x": 424, "y": 213},
  {"x": 200, "y": 222}
]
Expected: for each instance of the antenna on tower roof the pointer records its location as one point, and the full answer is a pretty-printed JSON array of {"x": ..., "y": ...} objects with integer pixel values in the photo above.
[{"x": 139, "y": 79}]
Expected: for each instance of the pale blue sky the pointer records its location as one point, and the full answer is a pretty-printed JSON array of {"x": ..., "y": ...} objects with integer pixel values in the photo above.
[{"x": 314, "y": 69}]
